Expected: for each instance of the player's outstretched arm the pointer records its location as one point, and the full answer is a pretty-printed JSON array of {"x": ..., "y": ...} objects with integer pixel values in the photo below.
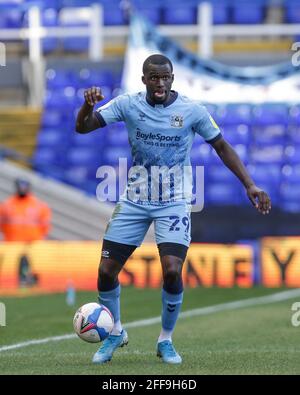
[
  {"x": 86, "y": 120},
  {"x": 259, "y": 198}
]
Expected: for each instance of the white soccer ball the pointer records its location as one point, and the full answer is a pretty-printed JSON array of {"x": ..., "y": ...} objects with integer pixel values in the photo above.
[{"x": 93, "y": 322}]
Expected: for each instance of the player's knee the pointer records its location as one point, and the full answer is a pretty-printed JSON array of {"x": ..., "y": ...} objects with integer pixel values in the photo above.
[
  {"x": 172, "y": 276},
  {"x": 107, "y": 276}
]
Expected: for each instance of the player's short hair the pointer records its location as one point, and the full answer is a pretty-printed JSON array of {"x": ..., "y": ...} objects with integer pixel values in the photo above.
[{"x": 156, "y": 59}]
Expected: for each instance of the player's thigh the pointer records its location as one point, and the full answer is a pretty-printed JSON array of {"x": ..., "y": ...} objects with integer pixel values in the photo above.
[
  {"x": 173, "y": 224},
  {"x": 128, "y": 225}
]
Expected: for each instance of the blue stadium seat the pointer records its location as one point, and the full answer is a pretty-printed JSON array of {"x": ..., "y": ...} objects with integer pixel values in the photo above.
[
  {"x": 112, "y": 13},
  {"x": 291, "y": 173},
  {"x": 90, "y": 77},
  {"x": 117, "y": 135},
  {"x": 176, "y": 13},
  {"x": 222, "y": 193},
  {"x": 266, "y": 173},
  {"x": 52, "y": 118},
  {"x": 83, "y": 156},
  {"x": 294, "y": 114},
  {"x": 270, "y": 114},
  {"x": 81, "y": 140},
  {"x": 271, "y": 134},
  {"x": 57, "y": 98},
  {"x": 152, "y": 10},
  {"x": 111, "y": 155},
  {"x": 77, "y": 174},
  {"x": 50, "y": 138},
  {"x": 10, "y": 18},
  {"x": 236, "y": 134},
  {"x": 290, "y": 192},
  {"x": 218, "y": 173},
  {"x": 248, "y": 13},
  {"x": 292, "y": 154},
  {"x": 76, "y": 44},
  {"x": 292, "y": 11},
  {"x": 231, "y": 114},
  {"x": 267, "y": 154},
  {"x": 201, "y": 153},
  {"x": 44, "y": 156},
  {"x": 58, "y": 78}
]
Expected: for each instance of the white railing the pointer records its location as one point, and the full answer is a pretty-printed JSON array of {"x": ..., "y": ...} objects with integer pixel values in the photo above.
[{"x": 204, "y": 31}]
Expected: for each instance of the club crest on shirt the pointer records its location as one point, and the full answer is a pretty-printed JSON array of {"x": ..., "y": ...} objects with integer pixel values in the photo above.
[
  {"x": 141, "y": 116},
  {"x": 176, "y": 121}
]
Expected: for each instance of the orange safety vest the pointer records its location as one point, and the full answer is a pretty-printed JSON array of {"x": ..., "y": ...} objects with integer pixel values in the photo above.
[{"x": 24, "y": 219}]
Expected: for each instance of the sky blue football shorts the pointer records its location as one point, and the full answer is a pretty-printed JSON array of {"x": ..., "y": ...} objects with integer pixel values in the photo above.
[{"x": 130, "y": 222}]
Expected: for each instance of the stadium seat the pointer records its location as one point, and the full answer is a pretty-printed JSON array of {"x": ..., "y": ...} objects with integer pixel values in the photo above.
[
  {"x": 10, "y": 18},
  {"x": 232, "y": 114},
  {"x": 292, "y": 154},
  {"x": 176, "y": 13},
  {"x": 222, "y": 193},
  {"x": 247, "y": 13},
  {"x": 292, "y": 11},
  {"x": 264, "y": 173},
  {"x": 111, "y": 155},
  {"x": 151, "y": 11},
  {"x": 117, "y": 135},
  {"x": 236, "y": 134},
  {"x": 52, "y": 118},
  {"x": 267, "y": 154},
  {"x": 44, "y": 156},
  {"x": 271, "y": 134},
  {"x": 293, "y": 135},
  {"x": 50, "y": 138},
  {"x": 290, "y": 192},
  {"x": 201, "y": 153},
  {"x": 83, "y": 156},
  {"x": 291, "y": 173},
  {"x": 220, "y": 12},
  {"x": 294, "y": 114},
  {"x": 58, "y": 78},
  {"x": 270, "y": 114},
  {"x": 112, "y": 13},
  {"x": 218, "y": 173}
]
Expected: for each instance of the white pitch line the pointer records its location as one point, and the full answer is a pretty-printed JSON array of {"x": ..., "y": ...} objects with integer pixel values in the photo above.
[{"x": 273, "y": 298}]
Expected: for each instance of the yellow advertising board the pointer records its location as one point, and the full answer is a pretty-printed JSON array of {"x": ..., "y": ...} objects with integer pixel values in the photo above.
[
  {"x": 280, "y": 261},
  {"x": 50, "y": 266}
]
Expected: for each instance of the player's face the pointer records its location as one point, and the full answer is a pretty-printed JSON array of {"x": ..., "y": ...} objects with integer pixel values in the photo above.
[{"x": 158, "y": 80}]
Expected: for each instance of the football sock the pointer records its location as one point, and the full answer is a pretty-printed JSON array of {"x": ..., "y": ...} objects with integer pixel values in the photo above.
[
  {"x": 171, "y": 304},
  {"x": 165, "y": 335},
  {"x": 111, "y": 300}
]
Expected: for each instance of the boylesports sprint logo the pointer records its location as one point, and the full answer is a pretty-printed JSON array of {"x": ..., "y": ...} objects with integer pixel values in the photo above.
[{"x": 155, "y": 136}]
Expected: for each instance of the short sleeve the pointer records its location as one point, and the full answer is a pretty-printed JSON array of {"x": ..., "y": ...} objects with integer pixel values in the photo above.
[
  {"x": 205, "y": 125},
  {"x": 113, "y": 111}
]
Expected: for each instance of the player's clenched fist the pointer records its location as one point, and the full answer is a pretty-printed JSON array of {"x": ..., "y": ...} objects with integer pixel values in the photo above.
[{"x": 93, "y": 95}]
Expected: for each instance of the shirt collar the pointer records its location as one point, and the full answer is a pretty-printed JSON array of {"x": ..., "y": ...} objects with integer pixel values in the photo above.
[{"x": 172, "y": 97}]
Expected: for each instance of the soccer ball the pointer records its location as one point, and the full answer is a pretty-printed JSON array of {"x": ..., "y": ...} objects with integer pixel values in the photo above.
[{"x": 93, "y": 322}]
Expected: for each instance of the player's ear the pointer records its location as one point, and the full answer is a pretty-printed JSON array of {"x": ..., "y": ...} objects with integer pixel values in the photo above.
[
  {"x": 143, "y": 79},
  {"x": 172, "y": 78}
]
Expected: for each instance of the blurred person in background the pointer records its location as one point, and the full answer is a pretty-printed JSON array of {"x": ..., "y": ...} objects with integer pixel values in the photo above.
[{"x": 23, "y": 217}]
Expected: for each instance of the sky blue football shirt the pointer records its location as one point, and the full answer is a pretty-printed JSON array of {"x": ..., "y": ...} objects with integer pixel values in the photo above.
[{"x": 161, "y": 137}]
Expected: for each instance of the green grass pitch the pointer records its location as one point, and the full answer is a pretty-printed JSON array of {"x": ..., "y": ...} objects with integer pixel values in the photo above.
[{"x": 250, "y": 340}]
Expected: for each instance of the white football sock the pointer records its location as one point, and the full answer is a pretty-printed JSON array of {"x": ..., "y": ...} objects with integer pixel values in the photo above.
[
  {"x": 117, "y": 329},
  {"x": 165, "y": 335}
]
